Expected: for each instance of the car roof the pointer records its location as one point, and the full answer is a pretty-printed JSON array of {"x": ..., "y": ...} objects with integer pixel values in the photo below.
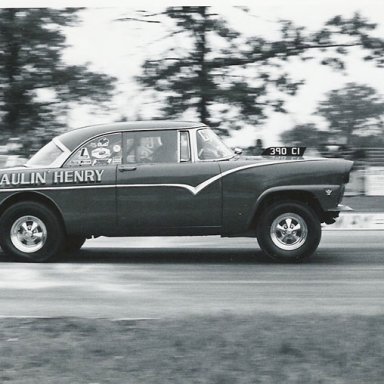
[{"x": 74, "y": 138}]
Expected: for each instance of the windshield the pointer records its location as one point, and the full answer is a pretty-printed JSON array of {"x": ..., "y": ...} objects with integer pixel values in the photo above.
[
  {"x": 46, "y": 156},
  {"x": 210, "y": 147}
]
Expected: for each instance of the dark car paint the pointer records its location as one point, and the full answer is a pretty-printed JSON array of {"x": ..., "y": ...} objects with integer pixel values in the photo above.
[
  {"x": 245, "y": 190},
  {"x": 83, "y": 206},
  {"x": 146, "y": 206},
  {"x": 195, "y": 198}
]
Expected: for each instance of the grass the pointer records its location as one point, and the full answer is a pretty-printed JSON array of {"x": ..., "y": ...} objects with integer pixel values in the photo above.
[{"x": 217, "y": 350}]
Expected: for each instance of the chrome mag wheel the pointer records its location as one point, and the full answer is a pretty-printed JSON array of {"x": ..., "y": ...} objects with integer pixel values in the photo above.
[
  {"x": 28, "y": 234},
  {"x": 289, "y": 231}
]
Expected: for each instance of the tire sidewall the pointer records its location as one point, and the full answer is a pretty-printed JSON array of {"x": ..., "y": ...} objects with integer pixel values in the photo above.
[
  {"x": 313, "y": 226},
  {"x": 55, "y": 233}
]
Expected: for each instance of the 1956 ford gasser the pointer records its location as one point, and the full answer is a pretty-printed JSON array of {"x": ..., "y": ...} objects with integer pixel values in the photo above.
[{"x": 164, "y": 178}]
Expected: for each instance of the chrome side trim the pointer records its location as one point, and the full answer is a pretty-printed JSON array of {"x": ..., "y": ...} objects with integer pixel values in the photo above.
[
  {"x": 190, "y": 188},
  {"x": 27, "y": 189},
  {"x": 206, "y": 183}
]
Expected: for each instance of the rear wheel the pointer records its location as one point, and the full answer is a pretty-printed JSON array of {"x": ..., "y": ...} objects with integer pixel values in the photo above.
[
  {"x": 30, "y": 231},
  {"x": 288, "y": 231}
]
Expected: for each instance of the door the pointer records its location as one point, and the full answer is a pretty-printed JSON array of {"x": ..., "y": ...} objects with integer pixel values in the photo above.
[
  {"x": 88, "y": 200},
  {"x": 161, "y": 191}
]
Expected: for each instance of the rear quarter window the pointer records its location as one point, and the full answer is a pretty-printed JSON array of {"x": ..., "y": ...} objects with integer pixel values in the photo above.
[{"x": 102, "y": 150}]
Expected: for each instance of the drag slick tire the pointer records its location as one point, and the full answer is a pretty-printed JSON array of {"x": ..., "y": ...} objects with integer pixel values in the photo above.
[
  {"x": 288, "y": 231},
  {"x": 30, "y": 231}
]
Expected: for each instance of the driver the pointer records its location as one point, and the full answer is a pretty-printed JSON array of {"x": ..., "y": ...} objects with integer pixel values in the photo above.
[
  {"x": 205, "y": 149},
  {"x": 167, "y": 152}
]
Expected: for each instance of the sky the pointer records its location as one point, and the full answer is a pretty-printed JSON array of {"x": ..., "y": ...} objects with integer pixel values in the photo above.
[{"x": 119, "y": 48}]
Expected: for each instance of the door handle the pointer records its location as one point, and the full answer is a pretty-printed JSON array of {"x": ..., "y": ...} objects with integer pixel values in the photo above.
[{"x": 126, "y": 168}]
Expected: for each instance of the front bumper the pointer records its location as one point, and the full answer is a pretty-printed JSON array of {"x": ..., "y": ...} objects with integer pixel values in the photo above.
[
  {"x": 341, "y": 208},
  {"x": 330, "y": 216}
]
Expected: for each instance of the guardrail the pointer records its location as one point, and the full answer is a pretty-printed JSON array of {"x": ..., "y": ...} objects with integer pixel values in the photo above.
[
  {"x": 374, "y": 157},
  {"x": 367, "y": 176}
]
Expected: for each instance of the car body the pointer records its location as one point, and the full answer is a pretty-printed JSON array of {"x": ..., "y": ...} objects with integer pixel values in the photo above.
[{"x": 164, "y": 178}]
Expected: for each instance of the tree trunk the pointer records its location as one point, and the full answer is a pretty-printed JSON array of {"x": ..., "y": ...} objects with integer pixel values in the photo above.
[
  {"x": 13, "y": 94},
  {"x": 201, "y": 46}
]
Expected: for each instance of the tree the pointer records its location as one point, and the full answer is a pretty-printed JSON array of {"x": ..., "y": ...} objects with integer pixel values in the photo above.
[
  {"x": 355, "y": 112},
  {"x": 37, "y": 86},
  {"x": 235, "y": 80},
  {"x": 305, "y": 135}
]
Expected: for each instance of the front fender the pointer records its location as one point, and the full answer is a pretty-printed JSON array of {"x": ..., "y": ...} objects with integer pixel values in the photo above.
[
  {"x": 327, "y": 195},
  {"x": 323, "y": 198},
  {"x": 247, "y": 187}
]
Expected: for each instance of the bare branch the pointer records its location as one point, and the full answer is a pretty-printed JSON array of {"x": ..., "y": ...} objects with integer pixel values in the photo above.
[
  {"x": 150, "y": 14},
  {"x": 308, "y": 46},
  {"x": 224, "y": 62},
  {"x": 135, "y": 19}
]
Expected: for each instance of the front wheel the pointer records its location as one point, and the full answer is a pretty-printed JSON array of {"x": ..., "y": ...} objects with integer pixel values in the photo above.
[
  {"x": 288, "y": 231},
  {"x": 30, "y": 231}
]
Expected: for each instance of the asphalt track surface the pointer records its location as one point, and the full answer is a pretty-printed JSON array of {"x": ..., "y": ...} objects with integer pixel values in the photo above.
[{"x": 171, "y": 277}]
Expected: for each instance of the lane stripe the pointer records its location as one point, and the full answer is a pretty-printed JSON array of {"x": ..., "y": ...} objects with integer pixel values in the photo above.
[{"x": 66, "y": 317}]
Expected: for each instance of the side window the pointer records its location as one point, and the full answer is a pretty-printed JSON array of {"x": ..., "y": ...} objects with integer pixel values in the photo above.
[
  {"x": 210, "y": 147},
  {"x": 102, "y": 150},
  {"x": 151, "y": 147},
  {"x": 185, "y": 147}
]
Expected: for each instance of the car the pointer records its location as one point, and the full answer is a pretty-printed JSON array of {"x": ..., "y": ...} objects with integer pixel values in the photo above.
[{"x": 164, "y": 178}]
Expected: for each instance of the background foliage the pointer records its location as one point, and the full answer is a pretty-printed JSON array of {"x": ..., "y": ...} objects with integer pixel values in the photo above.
[
  {"x": 229, "y": 80},
  {"x": 37, "y": 87}
]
